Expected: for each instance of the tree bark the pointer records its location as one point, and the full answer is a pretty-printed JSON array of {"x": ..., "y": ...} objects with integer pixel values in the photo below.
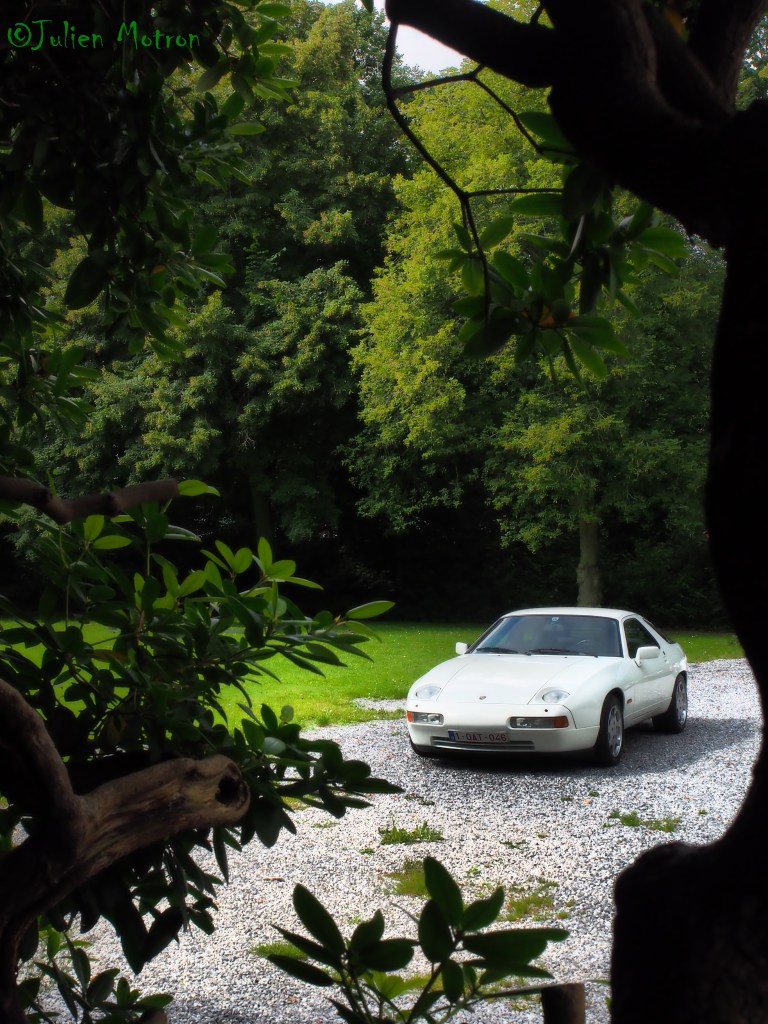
[
  {"x": 76, "y": 837},
  {"x": 691, "y": 931},
  {"x": 588, "y": 572}
]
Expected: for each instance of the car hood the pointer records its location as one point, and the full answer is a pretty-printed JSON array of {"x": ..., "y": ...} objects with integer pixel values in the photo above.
[{"x": 508, "y": 678}]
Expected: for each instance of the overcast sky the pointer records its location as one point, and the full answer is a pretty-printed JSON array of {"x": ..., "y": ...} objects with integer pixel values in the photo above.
[{"x": 418, "y": 49}]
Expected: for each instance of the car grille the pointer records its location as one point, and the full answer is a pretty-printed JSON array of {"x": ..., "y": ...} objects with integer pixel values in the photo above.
[{"x": 520, "y": 745}]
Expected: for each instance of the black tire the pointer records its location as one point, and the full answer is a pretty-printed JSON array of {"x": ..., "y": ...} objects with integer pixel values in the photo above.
[
  {"x": 424, "y": 751},
  {"x": 674, "y": 718},
  {"x": 610, "y": 739}
]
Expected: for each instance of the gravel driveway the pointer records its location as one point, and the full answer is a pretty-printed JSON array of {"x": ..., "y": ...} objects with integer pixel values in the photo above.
[{"x": 543, "y": 825}]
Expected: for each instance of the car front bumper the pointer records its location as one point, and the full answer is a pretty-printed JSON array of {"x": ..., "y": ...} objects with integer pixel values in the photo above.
[{"x": 490, "y": 730}]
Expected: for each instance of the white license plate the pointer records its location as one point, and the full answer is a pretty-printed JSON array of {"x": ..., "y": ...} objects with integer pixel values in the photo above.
[{"x": 467, "y": 736}]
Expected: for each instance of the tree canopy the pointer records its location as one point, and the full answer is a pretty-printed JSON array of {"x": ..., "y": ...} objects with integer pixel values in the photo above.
[{"x": 645, "y": 97}]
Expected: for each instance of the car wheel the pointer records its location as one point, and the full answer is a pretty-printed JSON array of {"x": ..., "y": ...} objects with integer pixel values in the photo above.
[
  {"x": 423, "y": 751},
  {"x": 676, "y": 715},
  {"x": 610, "y": 739}
]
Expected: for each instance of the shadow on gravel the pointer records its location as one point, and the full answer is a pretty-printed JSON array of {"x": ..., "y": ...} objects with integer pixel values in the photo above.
[{"x": 645, "y": 751}]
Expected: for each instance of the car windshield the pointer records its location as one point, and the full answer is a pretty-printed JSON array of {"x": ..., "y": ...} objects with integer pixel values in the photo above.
[{"x": 590, "y": 635}]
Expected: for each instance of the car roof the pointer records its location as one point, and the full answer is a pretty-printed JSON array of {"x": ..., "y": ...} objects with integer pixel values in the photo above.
[{"x": 607, "y": 613}]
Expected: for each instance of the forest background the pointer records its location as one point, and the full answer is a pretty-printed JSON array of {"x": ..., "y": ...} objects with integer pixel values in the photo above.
[{"x": 326, "y": 394}]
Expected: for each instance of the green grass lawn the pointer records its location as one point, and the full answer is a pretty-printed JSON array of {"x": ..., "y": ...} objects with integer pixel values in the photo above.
[{"x": 403, "y": 652}]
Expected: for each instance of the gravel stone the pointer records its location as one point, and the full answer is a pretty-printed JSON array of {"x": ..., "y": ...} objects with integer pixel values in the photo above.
[{"x": 504, "y": 820}]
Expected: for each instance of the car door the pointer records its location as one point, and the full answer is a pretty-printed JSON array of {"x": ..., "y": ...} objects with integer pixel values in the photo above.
[{"x": 651, "y": 676}]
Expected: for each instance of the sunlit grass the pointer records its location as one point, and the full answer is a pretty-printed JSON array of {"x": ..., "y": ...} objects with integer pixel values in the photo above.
[{"x": 403, "y": 652}]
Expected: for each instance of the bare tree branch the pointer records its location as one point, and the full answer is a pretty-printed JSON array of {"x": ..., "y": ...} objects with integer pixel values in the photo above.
[{"x": 63, "y": 510}]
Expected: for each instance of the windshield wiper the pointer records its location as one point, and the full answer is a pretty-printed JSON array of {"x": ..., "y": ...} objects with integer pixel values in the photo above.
[
  {"x": 552, "y": 650},
  {"x": 498, "y": 650}
]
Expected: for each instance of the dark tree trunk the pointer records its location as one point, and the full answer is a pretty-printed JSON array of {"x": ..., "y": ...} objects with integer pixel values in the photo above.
[
  {"x": 261, "y": 514},
  {"x": 691, "y": 931},
  {"x": 588, "y": 572}
]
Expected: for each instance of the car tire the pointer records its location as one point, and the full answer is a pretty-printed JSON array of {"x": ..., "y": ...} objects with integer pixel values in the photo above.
[
  {"x": 674, "y": 718},
  {"x": 423, "y": 751},
  {"x": 610, "y": 739}
]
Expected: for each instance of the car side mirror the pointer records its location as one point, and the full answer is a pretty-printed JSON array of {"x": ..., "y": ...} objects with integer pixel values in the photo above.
[
  {"x": 461, "y": 648},
  {"x": 647, "y": 654}
]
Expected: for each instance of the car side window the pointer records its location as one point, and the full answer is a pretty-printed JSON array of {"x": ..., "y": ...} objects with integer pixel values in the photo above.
[{"x": 637, "y": 636}]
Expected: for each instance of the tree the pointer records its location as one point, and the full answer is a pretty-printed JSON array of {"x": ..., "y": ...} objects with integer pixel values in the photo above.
[
  {"x": 440, "y": 427},
  {"x": 116, "y": 757},
  {"x": 646, "y": 96},
  {"x": 265, "y": 396}
]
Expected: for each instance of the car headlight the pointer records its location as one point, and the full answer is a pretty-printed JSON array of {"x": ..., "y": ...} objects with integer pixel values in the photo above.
[
  {"x": 425, "y": 717},
  {"x": 554, "y": 696},
  {"x": 428, "y": 692}
]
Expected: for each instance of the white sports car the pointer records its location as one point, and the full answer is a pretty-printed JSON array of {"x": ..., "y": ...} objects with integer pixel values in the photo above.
[{"x": 550, "y": 680}]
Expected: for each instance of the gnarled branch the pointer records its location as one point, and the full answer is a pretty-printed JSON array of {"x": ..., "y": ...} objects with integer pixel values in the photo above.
[
  {"x": 76, "y": 837},
  {"x": 63, "y": 510}
]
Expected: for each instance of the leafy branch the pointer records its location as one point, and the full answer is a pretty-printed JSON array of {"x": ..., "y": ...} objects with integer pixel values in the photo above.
[{"x": 468, "y": 962}]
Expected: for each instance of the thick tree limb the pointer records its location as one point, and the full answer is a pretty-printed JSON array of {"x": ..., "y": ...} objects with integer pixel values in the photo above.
[
  {"x": 719, "y": 34},
  {"x": 64, "y": 510},
  {"x": 77, "y": 837},
  {"x": 31, "y": 769},
  {"x": 630, "y": 95},
  {"x": 527, "y": 53}
]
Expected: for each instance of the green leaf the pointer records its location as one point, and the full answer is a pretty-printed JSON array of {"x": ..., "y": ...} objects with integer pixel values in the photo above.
[
  {"x": 264, "y": 552},
  {"x": 483, "y": 912},
  {"x": 317, "y": 920},
  {"x": 193, "y": 488},
  {"x": 205, "y": 238},
  {"x": 282, "y": 569},
  {"x": 246, "y": 128},
  {"x": 164, "y": 930},
  {"x": 242, "y": 560},
  {"x": 512, "y": 270},
  {"x": 301, "y": 970},
  {"x": 31, "y": 206},
  {"x": 464, "y": 237},
  {"x": 367, "y": 932},
  {"x": 434, "y": 933},
  {"x": 87, "y": 281},
  {"x": 490, "y": 337},
  {"x": 92, "y": 527},
  {"x": 511, "y": 948},
  {"x": 210, "y": 77},
  {"x": 589, "y": 357},
  {"x": 641, "y": 219},
  {"x": 311, "y": 949},
  {"x": 269, "y": 9},
  {"x": 370, "y": 610},
  {"x": 539, "y": 204},
  {"x": 594, "y": 329},
  {"x": 453, "y": 981},
  {"x": 111, "y": 542},
  {"x": 388, "y": 955},
  {"x": 666, "y": 241},
  {"x": 443, "y": 889},
  {"x": 473, "y": 277},
  {"x": 546, "y": 127},
  {"x": 584, "y": 187},
  {"x": 496, "y": 232},
  {"x": 663, "y": 262}
]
